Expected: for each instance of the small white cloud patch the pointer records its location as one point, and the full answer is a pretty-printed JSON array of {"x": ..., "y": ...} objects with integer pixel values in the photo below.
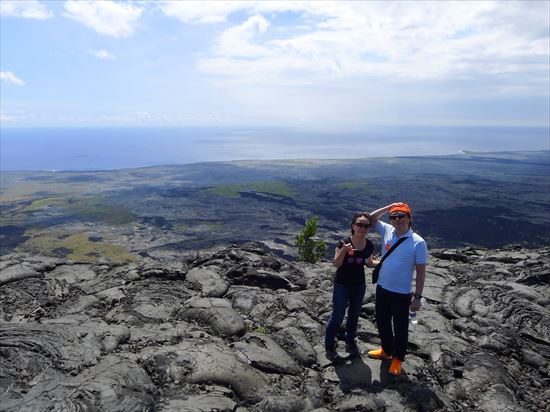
[
  {"x": 105, "y": 17},
  {"x": 29, "y": 9},
  {"x": 10, "y": 78},
  {"x": 101, "y": 54}
]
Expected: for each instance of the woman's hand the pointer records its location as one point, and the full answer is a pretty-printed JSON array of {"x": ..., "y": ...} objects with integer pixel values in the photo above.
[
  {"x": 341, "y": 252},
  {"x": 348, "y": 247}
]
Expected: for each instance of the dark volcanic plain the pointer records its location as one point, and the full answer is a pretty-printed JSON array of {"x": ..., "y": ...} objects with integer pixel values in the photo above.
[
  {"x": 175, "y": 288},
  {"x": 488, "y": 200}
]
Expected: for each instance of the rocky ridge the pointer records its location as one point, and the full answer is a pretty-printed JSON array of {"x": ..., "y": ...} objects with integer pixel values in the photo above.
[{"x": 241, "y": 329}]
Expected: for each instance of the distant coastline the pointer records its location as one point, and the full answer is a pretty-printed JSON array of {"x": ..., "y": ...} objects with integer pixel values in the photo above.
[{"x": 110, "y": 148}]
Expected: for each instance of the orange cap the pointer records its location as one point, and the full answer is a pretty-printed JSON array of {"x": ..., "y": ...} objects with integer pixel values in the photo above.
[{"x": 402, "y": 207}]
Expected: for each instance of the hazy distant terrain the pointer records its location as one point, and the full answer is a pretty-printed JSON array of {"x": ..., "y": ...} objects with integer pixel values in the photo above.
[{"x": 484, "y": 199}]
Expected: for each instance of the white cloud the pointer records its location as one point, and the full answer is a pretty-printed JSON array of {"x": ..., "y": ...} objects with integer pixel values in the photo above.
[
  {"x": 105, "y": 17},
  {"x": 101, "y": 54},
  {"x": 400, "y": 41},
  {"x": 202, "y": 11},
  {"x": 11, "y": 78},
  {"x": 297, "y": 62},
  {"x": 29, "y": 9},
  {"x": 238, "y": 40},
  {"x": 215, "y": 11}
]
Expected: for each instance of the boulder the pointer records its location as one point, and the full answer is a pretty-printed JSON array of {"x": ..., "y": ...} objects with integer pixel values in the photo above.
[
  {"x": 214, "y": 312},
  {"x": 208, "y": 282}
]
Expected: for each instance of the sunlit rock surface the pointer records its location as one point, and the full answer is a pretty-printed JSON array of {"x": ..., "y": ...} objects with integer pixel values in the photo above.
[{"x": 239, "y": 329}]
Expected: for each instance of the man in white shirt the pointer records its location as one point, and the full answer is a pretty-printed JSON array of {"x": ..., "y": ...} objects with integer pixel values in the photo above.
[{"x": 393, "y": 291}]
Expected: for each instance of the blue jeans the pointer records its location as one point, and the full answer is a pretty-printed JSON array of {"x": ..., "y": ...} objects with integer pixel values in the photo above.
[{"x": 344, "y": 297}]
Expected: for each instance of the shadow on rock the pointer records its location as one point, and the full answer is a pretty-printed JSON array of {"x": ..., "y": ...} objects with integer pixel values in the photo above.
[
  {"x": 354, "y": 373},
  {"x": 415, "y": 395}
]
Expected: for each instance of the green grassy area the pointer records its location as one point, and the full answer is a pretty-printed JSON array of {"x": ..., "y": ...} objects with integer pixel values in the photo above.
[
  {"x": 213, "y": 225},
  {"x": 41, "y": 204},
  {"x": 234, "y": 190},
  {"x": 180, "y": 227},
  {"x": 86, "y": 207},
  {"x": 76, "y": 246},
  {"x": 198, "y": 225},
  {"x": 258, "y": 329},
  {"x": 23, "y": 190},
  {"x": 231, "y": 191},
  {"x": 94, "y": 208},
  {"x": 353, "y": 185}
]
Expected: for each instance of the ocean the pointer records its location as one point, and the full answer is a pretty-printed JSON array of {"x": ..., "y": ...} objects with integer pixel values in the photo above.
[{"x": 107, "y": 148}]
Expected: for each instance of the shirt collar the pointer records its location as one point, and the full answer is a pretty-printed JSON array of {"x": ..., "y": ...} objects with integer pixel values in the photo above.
[{"x": 408, "y": 233}]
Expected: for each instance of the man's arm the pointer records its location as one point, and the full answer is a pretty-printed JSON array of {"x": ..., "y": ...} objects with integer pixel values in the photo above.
[
  {"x": 416, "y": 304},
  {"x": 376, "y": 214},
  {"x": 371, "y": 263}
]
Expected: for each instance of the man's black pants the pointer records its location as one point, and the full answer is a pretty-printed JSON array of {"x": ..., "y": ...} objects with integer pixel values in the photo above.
[{"x": 393, "y": 307}]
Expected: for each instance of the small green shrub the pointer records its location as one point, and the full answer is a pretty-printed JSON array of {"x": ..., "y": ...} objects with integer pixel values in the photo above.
[
  {"x": 257, "y": 329},
  {"x": 309, "y": 249}
]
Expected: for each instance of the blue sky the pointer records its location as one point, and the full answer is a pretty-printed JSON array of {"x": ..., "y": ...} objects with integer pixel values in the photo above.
[{"x": 305, "y": 65}]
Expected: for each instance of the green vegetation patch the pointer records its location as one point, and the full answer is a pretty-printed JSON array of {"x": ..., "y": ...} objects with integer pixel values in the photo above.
[
  {"x": 180, "y": 227},
  {"x": 87, "y": 207},
  {"x": 231, "y": 191},
  {"x": 272, "y": 188},
  {"x": 77, "y": 247},
  {"x": 198, "y": 225},
  {"x": 353, "y": 185},
  {"x": 212, "y": 224},
  {"x": 46, "y": 203},
  {"x": 94, "y": 208},
  {"x": 257, "y": 329}
]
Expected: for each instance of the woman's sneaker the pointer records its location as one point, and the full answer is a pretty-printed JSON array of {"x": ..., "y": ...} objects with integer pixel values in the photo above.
[
  {"x": 352, "y": 349},
  {"x": 330, "y": 352}
]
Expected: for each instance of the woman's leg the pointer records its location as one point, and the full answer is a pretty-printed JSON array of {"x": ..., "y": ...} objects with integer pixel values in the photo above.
[
  {"x": 339, "y": 305},
  {"x": 355, "y": 303}
]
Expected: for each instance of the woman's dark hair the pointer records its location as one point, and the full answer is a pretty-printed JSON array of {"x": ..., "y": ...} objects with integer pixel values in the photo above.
[{"x": 357, "y": 216}]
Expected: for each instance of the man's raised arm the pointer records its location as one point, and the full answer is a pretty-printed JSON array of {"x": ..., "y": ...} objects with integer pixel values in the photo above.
[{"x": 376, "y": 214}]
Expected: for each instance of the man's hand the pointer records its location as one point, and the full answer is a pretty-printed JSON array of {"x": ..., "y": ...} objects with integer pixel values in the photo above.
[{"x": 416, "y": 304}]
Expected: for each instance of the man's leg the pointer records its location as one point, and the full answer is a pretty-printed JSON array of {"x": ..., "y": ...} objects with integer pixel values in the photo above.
[
  {"x": 383, "y": 319},
  {"x": 400, "y": 314}
]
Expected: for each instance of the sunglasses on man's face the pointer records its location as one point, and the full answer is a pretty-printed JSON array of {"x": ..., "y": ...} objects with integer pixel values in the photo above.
[
  {"x": 398, "y": 216},
  {"x": 363, "y": 225}
]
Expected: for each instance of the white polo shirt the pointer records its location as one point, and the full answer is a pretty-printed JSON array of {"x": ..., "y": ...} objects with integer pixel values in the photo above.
[{"x": 398, "y": 269}]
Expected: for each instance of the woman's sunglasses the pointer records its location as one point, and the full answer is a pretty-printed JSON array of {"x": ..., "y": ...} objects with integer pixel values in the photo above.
[{"x": 363, "y": 225}]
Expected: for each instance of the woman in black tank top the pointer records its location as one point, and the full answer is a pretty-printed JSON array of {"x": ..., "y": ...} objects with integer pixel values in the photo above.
[{"x": 350, "y": 257}]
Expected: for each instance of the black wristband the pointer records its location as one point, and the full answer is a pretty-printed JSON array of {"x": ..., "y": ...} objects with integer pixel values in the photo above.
[{"x": 417, "y": 295}]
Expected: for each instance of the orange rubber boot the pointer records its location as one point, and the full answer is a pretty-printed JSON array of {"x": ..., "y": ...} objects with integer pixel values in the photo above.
[
  {"x": 395, "y": 367},
  {"x": 378, "y": 354}
]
